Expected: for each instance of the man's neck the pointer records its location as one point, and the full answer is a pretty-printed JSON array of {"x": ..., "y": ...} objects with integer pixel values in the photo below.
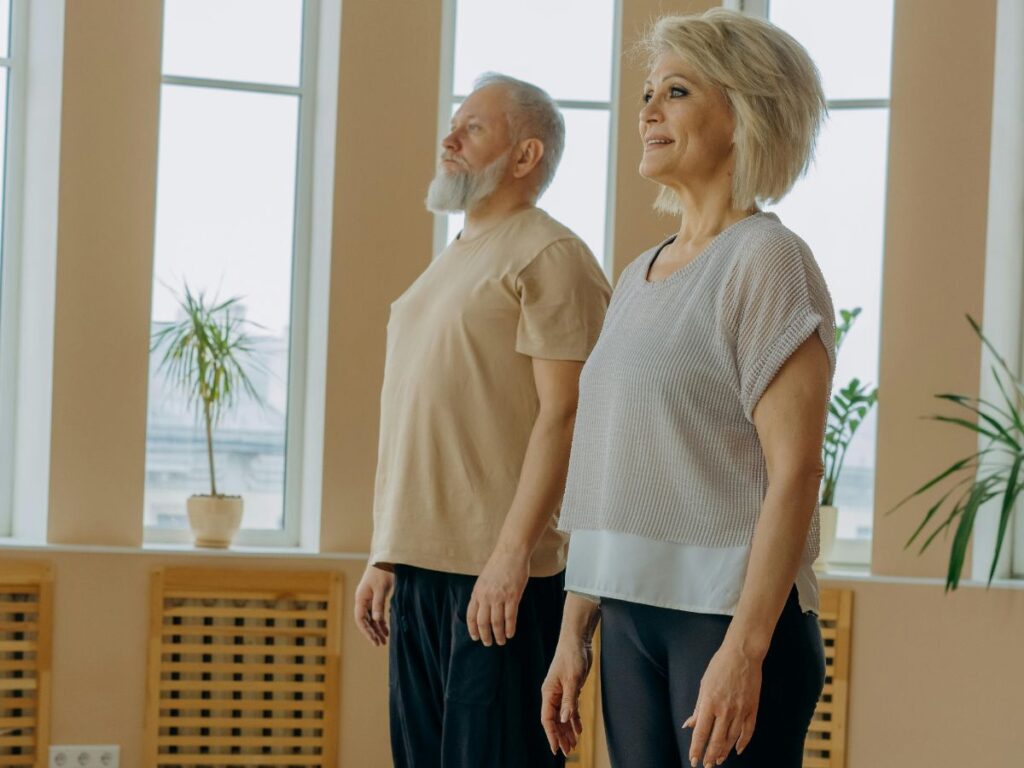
[{"x": 491, "y": 212}]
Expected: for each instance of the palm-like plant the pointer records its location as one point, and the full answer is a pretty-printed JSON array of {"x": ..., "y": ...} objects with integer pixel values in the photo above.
[
  {"x": 846, "y": 412},
  {"x": 991, "y": 471},
  {"x": 205, "y": 355}
]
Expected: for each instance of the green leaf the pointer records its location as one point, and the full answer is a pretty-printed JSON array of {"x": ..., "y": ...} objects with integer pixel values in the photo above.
[
  {"x": 965, "y": 402},
  {"x": 966, "y": 425},
  {"x": 1006, "y": 512},
  {"x": 958, "y": 553},
  {"x": 931, "y": 513},
  {"x": 955, "y": 467}
]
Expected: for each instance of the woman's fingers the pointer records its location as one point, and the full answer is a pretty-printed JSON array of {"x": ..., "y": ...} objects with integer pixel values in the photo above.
[
  {"x": 559, "y": 714},
  {"x": 549, "y": 703},
  {"x": 704, "y": 720},
  {"x": 719, "y": 744},
  {"x": 746, "y": 733},
  {"x": 569, "y": 694}
]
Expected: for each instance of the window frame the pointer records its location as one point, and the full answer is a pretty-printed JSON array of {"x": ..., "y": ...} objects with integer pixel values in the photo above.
[
  {"x": 293, "y": 529},
  {"x": 10, "y": 255},
  {"x": 448, "y": 99},
  {"x": 1003, "y": 306},
  {"x": 847, "y": 552}
]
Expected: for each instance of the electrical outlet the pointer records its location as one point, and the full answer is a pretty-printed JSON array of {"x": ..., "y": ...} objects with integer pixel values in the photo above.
[{"x": 85, "y": 756}]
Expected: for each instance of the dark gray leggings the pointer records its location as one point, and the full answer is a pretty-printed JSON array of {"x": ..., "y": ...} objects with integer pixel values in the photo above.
[{"x": 652, "y": 661}]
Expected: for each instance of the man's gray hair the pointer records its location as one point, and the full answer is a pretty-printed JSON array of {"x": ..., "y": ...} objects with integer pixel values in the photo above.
[{"x": 534, "y": 115}]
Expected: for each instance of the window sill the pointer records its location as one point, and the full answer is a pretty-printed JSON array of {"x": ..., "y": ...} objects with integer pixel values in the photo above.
[
  {"x": 863, "y": 574},
  {"x": 290, "y": 553}
]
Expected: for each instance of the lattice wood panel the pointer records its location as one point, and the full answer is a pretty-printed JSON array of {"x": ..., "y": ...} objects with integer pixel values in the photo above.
[
  {"x": 825, "y": 746},
  {"x": 26, "y": 610},
  {"x": 243, "y": 668}
]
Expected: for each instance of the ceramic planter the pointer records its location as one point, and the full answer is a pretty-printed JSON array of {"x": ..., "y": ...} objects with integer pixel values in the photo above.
[{"x": 214, "y": 519}]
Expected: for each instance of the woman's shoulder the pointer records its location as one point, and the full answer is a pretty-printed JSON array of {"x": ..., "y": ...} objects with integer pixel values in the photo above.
[
  {"x": 767, "y": 238},
  {"x": 768, "y": 248}
]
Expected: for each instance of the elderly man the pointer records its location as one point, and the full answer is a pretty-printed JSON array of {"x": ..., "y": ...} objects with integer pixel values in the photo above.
[{"x": 484, "y": 353}]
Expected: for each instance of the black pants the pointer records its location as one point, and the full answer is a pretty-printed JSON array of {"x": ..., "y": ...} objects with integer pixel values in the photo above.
[
  {"x": 456, "y": 703},
  {"x": 652, "y": 662}
]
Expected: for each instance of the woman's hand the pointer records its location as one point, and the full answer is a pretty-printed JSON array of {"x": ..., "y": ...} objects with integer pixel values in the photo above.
[
  {"x": 726, "y": 706},
  {"x": 560, "y": 714}
]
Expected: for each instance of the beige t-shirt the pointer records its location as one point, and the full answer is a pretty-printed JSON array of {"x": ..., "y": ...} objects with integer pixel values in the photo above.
[{"x": 459, "y": 400}]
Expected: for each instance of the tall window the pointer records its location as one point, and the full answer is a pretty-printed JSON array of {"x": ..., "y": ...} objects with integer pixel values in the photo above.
[
  {"x": 568, "y": 50},
  {"x": 839, "y": 207},
  {"x": 233, "y": 175},
  {"x": 7, "y": 283}
]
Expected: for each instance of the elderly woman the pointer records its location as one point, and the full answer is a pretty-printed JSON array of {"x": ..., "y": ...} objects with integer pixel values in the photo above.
[{"x": 696, "y": 460}]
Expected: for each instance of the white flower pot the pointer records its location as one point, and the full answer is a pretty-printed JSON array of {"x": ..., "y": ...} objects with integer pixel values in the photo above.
[
  {"x": 828, "y": 516},
  {"x": 214, "y": 519}
]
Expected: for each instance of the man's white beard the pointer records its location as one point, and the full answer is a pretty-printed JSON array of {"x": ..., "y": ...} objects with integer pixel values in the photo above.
[{"x": 460, "y": 191}]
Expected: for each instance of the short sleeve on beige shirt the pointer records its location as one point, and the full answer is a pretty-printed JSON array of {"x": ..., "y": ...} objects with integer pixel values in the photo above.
[{"x": 563, "y": 296}]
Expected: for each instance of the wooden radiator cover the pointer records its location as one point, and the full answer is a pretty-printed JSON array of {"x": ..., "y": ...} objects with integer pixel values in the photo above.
[
  {"x": 26, "y": 636},
  {"x": 243, "y": 668},
  {"x": 825, "y": 746}
]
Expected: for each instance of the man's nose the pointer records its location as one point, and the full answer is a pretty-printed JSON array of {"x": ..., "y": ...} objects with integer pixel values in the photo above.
[{"x": 451, "y": 142}]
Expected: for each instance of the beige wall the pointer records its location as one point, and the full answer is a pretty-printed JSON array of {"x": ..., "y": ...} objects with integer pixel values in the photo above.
[
  {"x": 933, "y": 676},
  {"x": 934, "y": 255},
  {"x": 383, "y": 236},
  {"x": 104, "y": 270}
]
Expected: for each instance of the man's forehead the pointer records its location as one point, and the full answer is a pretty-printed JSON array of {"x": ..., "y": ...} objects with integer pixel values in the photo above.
[{"x": 486, "y": 103}]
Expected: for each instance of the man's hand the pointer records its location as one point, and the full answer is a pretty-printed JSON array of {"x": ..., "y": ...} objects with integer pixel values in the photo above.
[
  {"x": 373, "y": 598},
  {"x": 491, "y": 615}
]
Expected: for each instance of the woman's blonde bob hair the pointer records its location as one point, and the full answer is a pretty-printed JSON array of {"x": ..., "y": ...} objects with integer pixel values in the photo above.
[{"x": 772, "y": 86}]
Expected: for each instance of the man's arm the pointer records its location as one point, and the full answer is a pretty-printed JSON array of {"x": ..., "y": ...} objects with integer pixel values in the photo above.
[{"x": 491, "y": 615}]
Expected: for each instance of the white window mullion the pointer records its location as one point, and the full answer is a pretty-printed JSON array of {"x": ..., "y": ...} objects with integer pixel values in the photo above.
[
  {"x": 297, "y": 347},
  {"x": 13, "y": 521}
]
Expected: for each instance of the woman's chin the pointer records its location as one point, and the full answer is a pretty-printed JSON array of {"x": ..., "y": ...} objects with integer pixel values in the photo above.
[{"x": 654, "y": 172}]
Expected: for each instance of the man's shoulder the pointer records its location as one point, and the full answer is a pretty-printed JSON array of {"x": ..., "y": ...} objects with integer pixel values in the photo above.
[{"x": 536, "y": 230}]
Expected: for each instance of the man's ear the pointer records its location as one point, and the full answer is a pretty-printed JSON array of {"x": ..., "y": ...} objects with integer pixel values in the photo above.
[{"x": 526, "y": 158}]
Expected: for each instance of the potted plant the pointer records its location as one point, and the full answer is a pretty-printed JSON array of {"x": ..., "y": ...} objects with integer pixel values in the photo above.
[
  {"x": 205, "y": 356},
  {"x": 847, "y": 410},
  {"x": 993, "y": 471}
]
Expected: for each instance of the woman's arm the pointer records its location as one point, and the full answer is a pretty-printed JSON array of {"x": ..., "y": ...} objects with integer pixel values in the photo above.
[
  {"x": 560, "y": 714},
  {"x": 790, "y": 422}
]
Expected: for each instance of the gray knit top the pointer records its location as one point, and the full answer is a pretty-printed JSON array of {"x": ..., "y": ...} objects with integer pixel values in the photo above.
[{"x": 664, "y": 445}]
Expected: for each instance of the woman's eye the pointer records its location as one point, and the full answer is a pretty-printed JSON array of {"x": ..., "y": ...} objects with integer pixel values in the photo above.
[
  {"x": 647, "y": 96},
  {"x": 677, "y": 91}
]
